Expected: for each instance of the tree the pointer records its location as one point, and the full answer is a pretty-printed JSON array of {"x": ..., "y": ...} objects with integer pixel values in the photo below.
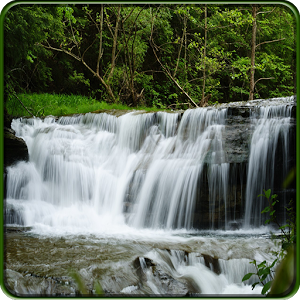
[
  {"x": 204, "y": 54},
  {"x": 25, "y": 66},
  {"x": 134, "y": 29},
  {"x": 253, "y": 46},
  {"x": 155, "y": 49},
  {"x": 72, "y": 43},
  {"x": 170, "y": 55}
]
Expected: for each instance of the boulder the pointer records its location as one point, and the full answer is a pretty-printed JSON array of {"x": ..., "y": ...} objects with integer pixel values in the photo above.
[{"x": 15, "y": 149}]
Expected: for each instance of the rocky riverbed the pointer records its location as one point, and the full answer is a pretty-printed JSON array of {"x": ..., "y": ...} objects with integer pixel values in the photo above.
[{"x": 165, "y": 264}]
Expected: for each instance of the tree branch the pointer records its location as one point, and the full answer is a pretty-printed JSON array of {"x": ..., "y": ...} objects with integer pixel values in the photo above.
[
  {"x": 88, "y": 48},
  {"x": 14, "y": 93},
  {"x": 171, "y": 77},
  {"x": 153, "y": 46},
  {"x": 113, "y": 52},
  {"x": 263, "y": 79},
  {"x": 100, "y": 30},
  {"x": 60, "y": 50},
  {"x": 266, "y": 12},
  {"x": 267, "y": 42}
]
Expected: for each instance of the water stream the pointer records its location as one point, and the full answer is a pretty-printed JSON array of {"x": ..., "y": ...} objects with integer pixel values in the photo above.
[{"x": 133, "y": 184}]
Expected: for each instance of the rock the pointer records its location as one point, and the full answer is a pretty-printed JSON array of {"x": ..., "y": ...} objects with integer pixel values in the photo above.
[
  {"x": 30, "y": 284},
  {"x": 15, "y": 149},
  {"x": 212, "y": 263},
  {"x": 171, "y": 286},
  {"x": 166, "y": 284}
]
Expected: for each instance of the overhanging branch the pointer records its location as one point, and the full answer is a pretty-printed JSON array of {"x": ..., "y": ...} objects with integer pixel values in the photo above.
[
  {"x": 267, "y": 42},
  {"x": 263, "y": 79}
]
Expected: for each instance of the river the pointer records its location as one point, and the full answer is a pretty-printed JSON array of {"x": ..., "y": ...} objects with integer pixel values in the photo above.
[{"x": 144, "y": 203}]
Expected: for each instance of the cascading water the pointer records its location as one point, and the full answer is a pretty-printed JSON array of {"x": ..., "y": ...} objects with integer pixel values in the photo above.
[
  {"x": 271, "y": 123},
  {"x": 149, "y": 177},
  {"x": 152, "y": 162}
]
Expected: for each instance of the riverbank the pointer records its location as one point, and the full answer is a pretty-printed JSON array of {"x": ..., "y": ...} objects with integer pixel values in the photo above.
[{"x": 39, "y": 105}]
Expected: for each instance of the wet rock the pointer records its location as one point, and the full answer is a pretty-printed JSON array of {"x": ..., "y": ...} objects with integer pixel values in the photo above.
[
  {"x": 113, "y": 112},
  {"x": 235, "y": 225},
  {"x": 212, "y": 263},
  {"x": 170, "y": 285},
  {"x": 165, "y": 283},
  {"x": 15, "y": 149},
  {"x": 33, "y": 285}
]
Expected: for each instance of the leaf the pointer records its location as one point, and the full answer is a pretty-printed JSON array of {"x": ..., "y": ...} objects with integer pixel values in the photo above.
[
  {"x": 254, "y": 284},
  {"x": 81, "y": 286},
  {"x": 263, "y": 277},
  {"x": 263, "y": 271},
  {"x": 285, "y": 246},
  {"x": 274, "y": 196},
  {"x": 267, "y": 193},
  {"x": 247, "y": 276},
  {"x": 262, "y": 264},
  {"x": 289, "y": 179},
  {"x": 98, "y": 289},
  {"x": 267, "y": 209},
  {"x": 272, "y": 212},
  {"x": 285, "y": 275},
  {"x": 273, "y": 263},
  {"x": 284, "y": 226},
  {"x": 268, "y": 221},
  {"x": 266, "y": 287}
]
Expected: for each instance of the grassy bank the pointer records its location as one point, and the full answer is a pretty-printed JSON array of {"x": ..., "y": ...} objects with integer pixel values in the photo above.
[{"x": 59, "y": 104}]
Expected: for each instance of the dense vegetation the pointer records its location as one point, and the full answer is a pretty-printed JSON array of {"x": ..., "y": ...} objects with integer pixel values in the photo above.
[
  {"x": 40, "y": 105},
  {"x": 167, "y": 56}
]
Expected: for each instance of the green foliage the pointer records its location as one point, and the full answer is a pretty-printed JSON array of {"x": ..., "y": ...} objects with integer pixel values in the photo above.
[
  {"x": 59, "y": 104},
  {"x": 269, "y": 209},
  {"x": 79, "y": 78},
  {"x": 265, "y": 271},
  {"x": 83, "y": 290},
  {"x": 284, "y": 277},
  {"x": 178, "y": 34},
  {"x": 24, "y": 27}
]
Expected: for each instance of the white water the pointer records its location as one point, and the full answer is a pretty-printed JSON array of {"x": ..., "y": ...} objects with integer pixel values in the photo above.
[
  {"x": 192, "y": 268},
  {"x": 137, "y": 177},
  {"x": 270, "y": 123},
  {"x": 84, "y": 169}
]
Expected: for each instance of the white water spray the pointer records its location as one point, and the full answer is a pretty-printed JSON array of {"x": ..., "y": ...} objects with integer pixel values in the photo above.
[{"x": 140, "y": 177}]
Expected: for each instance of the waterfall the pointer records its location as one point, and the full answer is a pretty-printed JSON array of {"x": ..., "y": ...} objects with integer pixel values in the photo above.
[
  {"x": 271, "y": 124},
  {"x": 146, "y": 170},
  {"x": 147, "y": 203}
]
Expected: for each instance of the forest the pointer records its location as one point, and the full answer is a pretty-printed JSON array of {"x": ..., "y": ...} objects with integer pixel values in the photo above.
[
  {"x": 117, "y": 186},
  {"x": 173, "y": 56}
]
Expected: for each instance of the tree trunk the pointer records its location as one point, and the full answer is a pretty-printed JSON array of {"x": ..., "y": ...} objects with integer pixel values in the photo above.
[
  {"x": 100, "y": 53},
  {"x": 113, "y": 52},
  {"x": 204, "y": 56},
  {"x": 179, "y": 52},
  {"x": 185, "y": 46},
  {"x": 164, "y": 68},
  {"x": 130, "y": 57},
  {"x": 253, "y": 46}
]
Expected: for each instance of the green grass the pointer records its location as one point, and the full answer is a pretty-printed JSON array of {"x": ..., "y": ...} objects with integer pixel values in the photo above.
[{"x": 59, "y": 104}]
